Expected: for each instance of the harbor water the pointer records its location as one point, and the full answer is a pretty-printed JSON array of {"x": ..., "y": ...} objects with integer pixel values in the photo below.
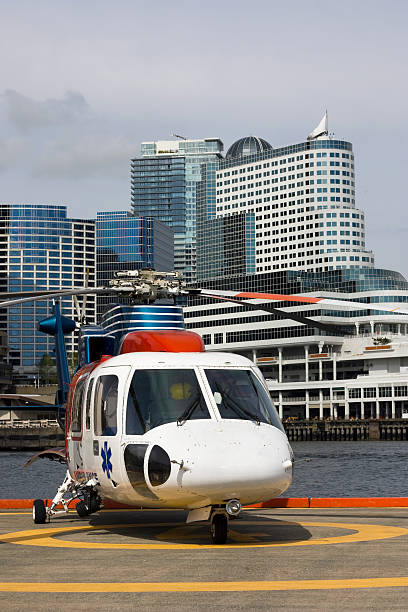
[{"x": 336, "y": 469}]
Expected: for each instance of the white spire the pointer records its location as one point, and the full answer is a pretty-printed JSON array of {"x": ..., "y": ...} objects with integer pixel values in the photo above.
[{"x": 321, "y": 129}]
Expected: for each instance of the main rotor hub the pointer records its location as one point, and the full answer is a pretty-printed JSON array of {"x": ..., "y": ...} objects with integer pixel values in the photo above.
[{"x": 147, "y": 285}]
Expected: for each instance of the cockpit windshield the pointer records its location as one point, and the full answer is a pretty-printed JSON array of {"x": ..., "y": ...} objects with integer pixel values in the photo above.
[
  {"x": 163, "y": 396},
  {"x": 240, "y": 395}
]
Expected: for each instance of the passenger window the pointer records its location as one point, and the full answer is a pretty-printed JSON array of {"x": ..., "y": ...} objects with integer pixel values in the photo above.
[
  {"x": 88, "y": 405},
  {"x": 76, "y": 415},
  {"x": 106, "y": 402}
]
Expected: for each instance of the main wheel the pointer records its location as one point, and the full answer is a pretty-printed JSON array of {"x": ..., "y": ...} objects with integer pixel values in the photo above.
[
  {"x": 219, "y": 529},
  {"x": 82, "y": 509},
  {"x": 39, "y": 512},
  {"x": 93, "y": 502}
]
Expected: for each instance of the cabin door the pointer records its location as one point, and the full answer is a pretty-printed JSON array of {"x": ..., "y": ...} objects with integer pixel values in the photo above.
[{"x": 108, "y": 409}]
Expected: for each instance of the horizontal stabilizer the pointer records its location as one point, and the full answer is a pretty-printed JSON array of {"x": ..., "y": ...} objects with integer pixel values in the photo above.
[{"x": 53, "y": 454}]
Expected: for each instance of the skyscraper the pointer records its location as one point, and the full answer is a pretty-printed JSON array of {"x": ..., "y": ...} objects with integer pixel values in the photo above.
[
  {"x": 126, "y": 242},
  {"x": 40, "y": 248},
  {"x": 163, "y": 186}
]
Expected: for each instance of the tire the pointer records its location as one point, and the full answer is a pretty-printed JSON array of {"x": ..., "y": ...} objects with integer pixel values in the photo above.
[
  {"x": 93, "y": 502},
  {"x": 219, "y": 529},
  {"x": 82, "y": 509},
  {"x": 39, "y": 512}
]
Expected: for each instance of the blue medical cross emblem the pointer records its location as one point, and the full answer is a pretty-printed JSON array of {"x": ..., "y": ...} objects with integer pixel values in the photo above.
[{"x": 106, "y": 455}]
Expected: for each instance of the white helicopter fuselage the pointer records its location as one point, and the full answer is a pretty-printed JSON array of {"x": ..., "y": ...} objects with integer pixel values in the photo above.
[{"x": 153, "y": 430}]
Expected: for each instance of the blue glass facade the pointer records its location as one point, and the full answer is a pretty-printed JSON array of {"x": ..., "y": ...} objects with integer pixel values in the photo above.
[
  {"x": 126, "y": 242},
  {"x": 163, "y": 186},
  {"x": 40, "y": 248},
  {"x": 225, "y": 245}
]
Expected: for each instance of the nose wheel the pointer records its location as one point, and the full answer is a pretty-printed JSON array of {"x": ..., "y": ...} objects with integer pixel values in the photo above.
[{"x": 219, "y": 528}]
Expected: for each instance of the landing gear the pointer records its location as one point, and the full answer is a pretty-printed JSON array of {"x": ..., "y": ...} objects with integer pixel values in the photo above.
[
  {"x": 39, "y": 512},
  {"x": 92, "y": 500},
  {"x": 82, "y": 509},
  {"x": 91, "y": 503},
  {"x": 86, "y": 492},
  {"x": 219, "y": 527}
]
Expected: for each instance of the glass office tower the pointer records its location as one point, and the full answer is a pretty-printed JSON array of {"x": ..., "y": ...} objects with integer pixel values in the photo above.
[
  {"x": 163, "y": 186},
  {"x": 40, "y": 248},
  {"x": 126, "y": 242}
]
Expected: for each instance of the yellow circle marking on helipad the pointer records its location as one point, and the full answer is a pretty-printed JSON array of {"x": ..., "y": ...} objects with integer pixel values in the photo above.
[
  {"x": 46, "y": 536},
  {"x": 194, "y": 587}
]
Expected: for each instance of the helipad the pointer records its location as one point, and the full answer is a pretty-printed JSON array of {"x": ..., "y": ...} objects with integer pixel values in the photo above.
[{"x": 273, "y": 558}]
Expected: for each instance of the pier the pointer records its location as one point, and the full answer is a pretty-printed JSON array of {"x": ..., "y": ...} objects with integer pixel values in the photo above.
[
  {"x": 30, "y": 434},
  {"x": 373, "y": 429},
  {"x": 42, "y": 434}
]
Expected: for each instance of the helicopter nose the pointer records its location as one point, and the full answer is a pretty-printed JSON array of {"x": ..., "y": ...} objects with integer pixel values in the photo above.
[{"x": 239, "y": 460}]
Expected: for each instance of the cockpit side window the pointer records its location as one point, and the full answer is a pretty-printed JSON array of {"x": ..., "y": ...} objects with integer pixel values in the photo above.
[
  {"x": 105, "y": 405},
  {"x": 163, "y": 396},
  {"x": 240, "y": 395},
  {"x": 88, "y": 405}
]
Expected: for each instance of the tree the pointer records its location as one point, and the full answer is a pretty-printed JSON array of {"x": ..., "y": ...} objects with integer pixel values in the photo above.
[
  {"x": 72, "y": 359},
  {"x": 47, "y": 371}
]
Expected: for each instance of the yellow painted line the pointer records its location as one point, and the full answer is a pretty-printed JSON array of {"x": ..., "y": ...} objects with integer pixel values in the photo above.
[
  {"x": 195, "y": 587},
  {"x": 46, "y": 536},
  {"x": 142, "y": 510},
  {"x": 18, "y": 513}
]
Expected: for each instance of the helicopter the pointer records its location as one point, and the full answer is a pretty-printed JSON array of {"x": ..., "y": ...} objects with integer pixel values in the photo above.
[{"x": 153, "y": 420}]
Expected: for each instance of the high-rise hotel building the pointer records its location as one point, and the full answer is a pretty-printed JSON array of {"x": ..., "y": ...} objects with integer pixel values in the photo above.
[
  {"x": 163, "y": 186},
  {"x": 284, "y": 221},
  {"x": 292, "y": 207}
]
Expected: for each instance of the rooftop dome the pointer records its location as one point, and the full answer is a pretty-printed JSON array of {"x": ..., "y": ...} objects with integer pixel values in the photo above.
[{"x": 250, "y": 145}]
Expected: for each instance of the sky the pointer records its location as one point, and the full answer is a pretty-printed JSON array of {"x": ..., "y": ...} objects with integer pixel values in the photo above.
[{"x": 83, "y": 83}]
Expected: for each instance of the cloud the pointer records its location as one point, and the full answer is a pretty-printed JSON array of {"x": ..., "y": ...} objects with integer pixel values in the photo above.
[
  {"x": 26, "y": 113},
  {"x": 11, "y": 151},
  {"x": 62, "y": 138},
  {"x": 85, "y": 155}
]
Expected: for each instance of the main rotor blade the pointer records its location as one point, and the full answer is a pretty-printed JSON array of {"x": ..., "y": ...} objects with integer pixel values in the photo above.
[
  {"x": 47, "y": 295},
  {"x": 45, "y": 292},
  {"x": 282, "y": 314},
  {"x": 338, "y": 303}
]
